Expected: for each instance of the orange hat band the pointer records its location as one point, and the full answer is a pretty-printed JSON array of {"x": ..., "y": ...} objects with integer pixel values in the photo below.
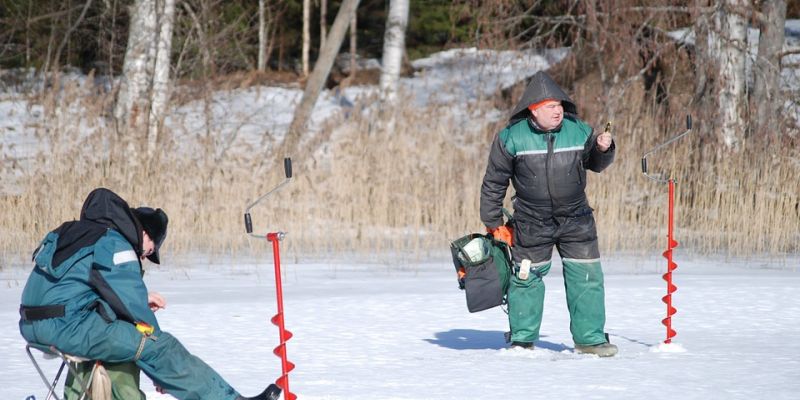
[{"x": 542, "y": 103}]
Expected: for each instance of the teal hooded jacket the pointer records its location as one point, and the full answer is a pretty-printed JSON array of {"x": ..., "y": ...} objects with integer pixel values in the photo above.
[
  {"x": 89, "y": 272},
  {"x": 92, "y": 268}
]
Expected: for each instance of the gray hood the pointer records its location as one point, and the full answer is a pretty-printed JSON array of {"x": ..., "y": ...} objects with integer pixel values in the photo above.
[{"x": 541, "y": 87}]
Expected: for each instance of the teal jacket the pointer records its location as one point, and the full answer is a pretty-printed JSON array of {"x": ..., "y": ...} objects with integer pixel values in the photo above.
[
  {"x": 92, "y": 268},
  {"x": 88, "y": 271}
]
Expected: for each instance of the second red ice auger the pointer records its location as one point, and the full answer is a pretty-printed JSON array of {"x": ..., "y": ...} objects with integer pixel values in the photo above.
[{"x": 671, "y": 242}]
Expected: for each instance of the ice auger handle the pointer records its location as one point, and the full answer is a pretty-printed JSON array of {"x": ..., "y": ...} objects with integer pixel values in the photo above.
[
  {"x": 662, "y": 145},
  {"x": 248, "y": 223},
  {"x": 248, "y": 220},
  {"x": 287, "y": 165}
]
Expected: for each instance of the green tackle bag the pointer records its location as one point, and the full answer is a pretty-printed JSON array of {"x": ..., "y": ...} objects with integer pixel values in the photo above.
[{"x": 483, "y": 265}]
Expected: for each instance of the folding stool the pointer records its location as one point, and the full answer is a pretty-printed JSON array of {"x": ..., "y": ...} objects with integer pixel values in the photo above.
[{"x": 70, "y": 361}]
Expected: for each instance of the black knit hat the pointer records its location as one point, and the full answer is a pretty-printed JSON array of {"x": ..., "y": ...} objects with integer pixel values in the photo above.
[{"x": 154, "y": 222}]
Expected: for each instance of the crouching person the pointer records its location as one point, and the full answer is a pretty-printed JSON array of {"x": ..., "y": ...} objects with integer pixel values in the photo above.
[{"x": 86, "y": 297}]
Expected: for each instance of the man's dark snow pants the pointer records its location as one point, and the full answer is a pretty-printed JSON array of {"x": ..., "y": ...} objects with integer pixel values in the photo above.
[
  {"x": 160, "y": 356},
  {"x": 576, "y": 241}
]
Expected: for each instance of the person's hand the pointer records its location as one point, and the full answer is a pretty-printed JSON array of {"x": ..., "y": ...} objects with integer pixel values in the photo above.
[
  {"x": 604, "y": 141},
  {"x": 156, "y": 301},
  {"x": 502, "y": 233}
]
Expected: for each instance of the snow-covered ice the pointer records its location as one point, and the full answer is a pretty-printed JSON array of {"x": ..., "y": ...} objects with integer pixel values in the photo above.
[
  {"x": 402, "y": 331},
  {"x": 376, "y": 331}
]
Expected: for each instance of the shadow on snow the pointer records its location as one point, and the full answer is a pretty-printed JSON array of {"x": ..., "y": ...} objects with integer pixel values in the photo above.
[{"x": 472, "y": 339}]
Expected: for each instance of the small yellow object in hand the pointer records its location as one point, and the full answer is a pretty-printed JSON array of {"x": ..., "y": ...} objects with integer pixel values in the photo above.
[
  {"x": 145, "y": 328},
  {"x": 604, "y": 140}
]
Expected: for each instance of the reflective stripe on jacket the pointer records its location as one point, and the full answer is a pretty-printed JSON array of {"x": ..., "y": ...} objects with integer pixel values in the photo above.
[{"x": 547, "y": 169}]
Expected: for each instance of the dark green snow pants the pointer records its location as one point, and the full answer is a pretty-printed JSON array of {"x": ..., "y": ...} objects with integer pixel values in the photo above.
[
  {"x": 160, "y": 356},
  {"x": 576, "y": 241},
  {"x": 124, "y": 381}
]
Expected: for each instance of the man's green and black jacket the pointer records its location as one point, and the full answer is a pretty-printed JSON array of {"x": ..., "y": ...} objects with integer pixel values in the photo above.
[{"x": 547, "y": 168}]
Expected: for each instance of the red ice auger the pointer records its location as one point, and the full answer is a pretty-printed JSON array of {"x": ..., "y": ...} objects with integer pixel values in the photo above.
[
  {"x": 275, "y": 237},
  {"x": 671, "y": 242}
]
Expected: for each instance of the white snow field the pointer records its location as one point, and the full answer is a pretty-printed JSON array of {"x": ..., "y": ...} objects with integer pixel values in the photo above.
[
  {"x": 402, "y": 330},
  {"x": 377, "y": 331}
]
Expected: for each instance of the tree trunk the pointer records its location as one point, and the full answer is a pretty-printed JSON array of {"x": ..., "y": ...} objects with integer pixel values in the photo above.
[
  {"x": 704, "y": 99},
  {"x": 353, "y": 46},
  {"x": 133, "y": 99},
  {"x": 306, "y": 35},
  {"x": 323, "y": 22},
  {"x": 317, "y": 79},
  {"x": 393, "y": 48},
  {"x": 281, "y": 44},
  {"x": 703, "y": 62},
  {"x": 161, "y": 86},
  {"x": 262, "y": 37},
  {"x": 200, "y": 27},
  {"x": 732, "y": 42},
  {"x": 767, "y": 67},
  {"x": 66, "y": 39}
]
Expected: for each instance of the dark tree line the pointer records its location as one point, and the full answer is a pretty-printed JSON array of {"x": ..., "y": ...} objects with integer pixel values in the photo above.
[
  {"x": 224, "y": 31},
  {"x": 624, "y": 43}
]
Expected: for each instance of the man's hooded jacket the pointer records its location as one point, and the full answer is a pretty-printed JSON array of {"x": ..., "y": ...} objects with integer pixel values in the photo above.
[
  {"x": 547, "y": 168},
  {"x": 84, "y": 268}
]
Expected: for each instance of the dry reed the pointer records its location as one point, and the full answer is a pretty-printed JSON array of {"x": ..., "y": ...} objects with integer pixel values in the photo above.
[{"x": 382, "y": 195}]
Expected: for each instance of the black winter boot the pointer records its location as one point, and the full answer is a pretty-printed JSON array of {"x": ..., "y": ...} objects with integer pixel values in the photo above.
[{"x": 272, "y": 392}]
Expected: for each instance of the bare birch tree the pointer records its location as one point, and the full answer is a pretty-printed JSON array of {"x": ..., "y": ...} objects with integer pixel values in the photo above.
[
  {"x": 767, "y": 66},
  {"x": 161, "y": 79},
  {"x": 730, "y": 49},
  {"x": 306, "y": 35},
  {"x": 353, "y": 45},
  {"x": 144, "y": 88},
  {"x": 317, "y": 79},
  {"x": 394, "y": 40},
  {"x": 262, "y": 37},
  {"x": 703, "y": 62},
  {"x": 269, "y": 17},
  {"x": 133, "y": 99},
  {"x": 323, "y": 22}
]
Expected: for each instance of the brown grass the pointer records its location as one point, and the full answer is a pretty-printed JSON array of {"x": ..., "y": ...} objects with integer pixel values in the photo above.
[{"x": 409, "y": 192}]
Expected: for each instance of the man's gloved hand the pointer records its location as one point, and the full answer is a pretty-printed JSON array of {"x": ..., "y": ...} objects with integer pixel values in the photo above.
[
  {"x": 604, "y": 140},
  {"x": 503, "y": 233}
]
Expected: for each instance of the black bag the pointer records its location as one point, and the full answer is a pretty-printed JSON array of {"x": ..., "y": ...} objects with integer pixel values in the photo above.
[{"x": 483, "y": 265}]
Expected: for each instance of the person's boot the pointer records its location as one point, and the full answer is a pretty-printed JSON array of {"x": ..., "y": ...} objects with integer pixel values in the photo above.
[
  {"x": 602, "y": 350},
  {"x": 272, "y": 392},
  {"x": 522, "y": 345}
]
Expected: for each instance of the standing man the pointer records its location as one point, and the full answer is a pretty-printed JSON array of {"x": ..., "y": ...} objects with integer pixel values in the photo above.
[
  {"x": 544, "y": 152},
  {"x": 86, "y": 297}
]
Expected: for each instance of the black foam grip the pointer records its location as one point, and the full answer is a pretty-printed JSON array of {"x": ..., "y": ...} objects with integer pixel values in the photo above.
[
  {"x": 644, "y": 165},
  {"x": 287, "y": 166},
  {"x": 248, "y": 223},
  {"x": 689, "y": 122}
]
